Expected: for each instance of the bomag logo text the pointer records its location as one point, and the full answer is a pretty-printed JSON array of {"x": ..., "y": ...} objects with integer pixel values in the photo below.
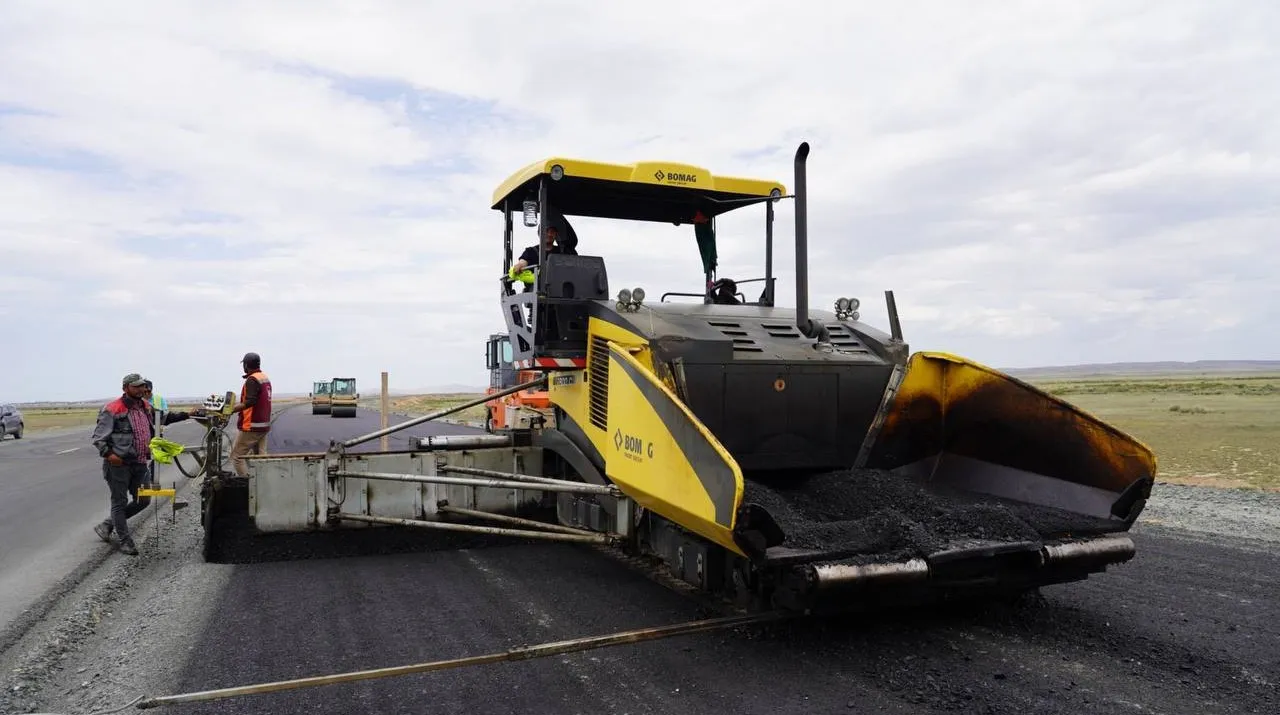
[
  {"x": 676, "y": 177},
  {"x": 632, "y": 447}
]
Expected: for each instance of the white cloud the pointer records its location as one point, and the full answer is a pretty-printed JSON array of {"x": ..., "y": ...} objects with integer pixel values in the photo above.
[{"x": 1084, "y": 182}]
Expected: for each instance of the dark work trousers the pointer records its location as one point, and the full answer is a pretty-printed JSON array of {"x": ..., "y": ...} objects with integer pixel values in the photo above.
[{"x": 124, "y": 482}]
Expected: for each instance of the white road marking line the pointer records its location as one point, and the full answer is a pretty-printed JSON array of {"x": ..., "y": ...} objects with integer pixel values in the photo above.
[{"x": 65, "y": 451}]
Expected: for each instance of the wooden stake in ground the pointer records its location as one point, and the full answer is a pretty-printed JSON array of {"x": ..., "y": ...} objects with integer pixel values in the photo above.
[{"x": 383, "y": 441}]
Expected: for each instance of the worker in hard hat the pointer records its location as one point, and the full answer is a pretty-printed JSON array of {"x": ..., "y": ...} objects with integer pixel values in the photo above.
[{"x": 254, "y": 409}]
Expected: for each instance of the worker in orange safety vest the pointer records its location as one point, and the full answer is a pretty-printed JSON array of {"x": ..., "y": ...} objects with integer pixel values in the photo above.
[{"x": 254, "y": 409}]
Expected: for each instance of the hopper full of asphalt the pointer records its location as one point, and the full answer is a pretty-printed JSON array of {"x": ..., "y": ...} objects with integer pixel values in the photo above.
[{"x": 866, "y": 514}]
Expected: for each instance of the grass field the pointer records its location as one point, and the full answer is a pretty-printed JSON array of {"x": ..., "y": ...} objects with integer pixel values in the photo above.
[
  {"x": 1210, "y": 431},
  {"x": 39, "y": 419},
  {"x": 426, "y": 404}
]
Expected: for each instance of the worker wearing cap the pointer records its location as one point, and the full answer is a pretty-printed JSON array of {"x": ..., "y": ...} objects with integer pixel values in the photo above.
[
  {"x": 522, "y": 271},
  {"x": 122, "y": 437},
  {"x": 254, "y": 409}
]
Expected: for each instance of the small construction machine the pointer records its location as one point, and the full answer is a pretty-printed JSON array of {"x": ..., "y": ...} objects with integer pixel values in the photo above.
[
  {"x": 777, "y": 457},
  {"x": 516, "y": 410},
  {"x": 343, "y": 397},
  {"x": 320, "y": 400}
]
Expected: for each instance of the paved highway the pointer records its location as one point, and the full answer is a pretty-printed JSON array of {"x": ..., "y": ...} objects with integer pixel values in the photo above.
[
  {"x": 51, "y": 494},
  {"x": 1191, "y": 626},
  {"x": 300, "y": 431}
]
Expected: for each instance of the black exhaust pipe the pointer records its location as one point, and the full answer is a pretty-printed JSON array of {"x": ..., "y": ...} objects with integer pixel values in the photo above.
[
  {"x": 802, "y": 241},
  {"x": 806, "y": 326}
]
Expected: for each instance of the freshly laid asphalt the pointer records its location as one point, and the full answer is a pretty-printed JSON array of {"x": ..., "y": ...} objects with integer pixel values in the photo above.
[
  {"x": 1190, "y": 626},
  {"x": 298, "y": 431}
]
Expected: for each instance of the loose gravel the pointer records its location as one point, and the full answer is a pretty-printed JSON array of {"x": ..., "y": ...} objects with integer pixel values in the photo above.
[
  {"x": 128, "y": 632},
  {"x": 1247, "y": 515}
]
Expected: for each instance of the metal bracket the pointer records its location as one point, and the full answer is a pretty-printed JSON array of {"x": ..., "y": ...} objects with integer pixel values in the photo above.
[{"x": 890, "y": 392}]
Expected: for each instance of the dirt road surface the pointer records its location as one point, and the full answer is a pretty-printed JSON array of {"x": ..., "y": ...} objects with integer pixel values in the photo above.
[{"x": 1192, "y": 625}]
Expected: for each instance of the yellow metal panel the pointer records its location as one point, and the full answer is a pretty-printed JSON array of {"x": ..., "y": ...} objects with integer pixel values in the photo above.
[
  {"x": 656, "y": 173},
  {"x": 662, "y": 456},
  {"x": 567, "y": 389},
  {"x": 574, "y": 397},
  {"x": 157, "y": 492},
  {"x": 637, "y": 344}
]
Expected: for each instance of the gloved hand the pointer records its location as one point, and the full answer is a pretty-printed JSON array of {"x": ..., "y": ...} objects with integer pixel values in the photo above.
[
  {"x": 525, "y": 276},
  {"x": 163, "y": 451}
]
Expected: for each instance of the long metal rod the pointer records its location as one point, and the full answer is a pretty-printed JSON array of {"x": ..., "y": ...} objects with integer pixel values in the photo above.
[
  {"x": 495, "y": 530},
  {"x": 506, "y": 235},
  {"x": 515, "y": 654},
  {"x": 895, "y": 327},
  {"x": 747, "y": 201},
  {"x": 448, "y": 442},
  {"x": 514, "y": 520},
  {"x": 437, "y": 415},
  {"x": 570, "y": 487},
  {"x": 802, "y": 242},
  {"x": 768, "y": 253},
  {"x": 495, "y": 474}
]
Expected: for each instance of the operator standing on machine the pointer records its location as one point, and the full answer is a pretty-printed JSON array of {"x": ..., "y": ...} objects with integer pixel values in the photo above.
[{"x": 254, "y": 409}]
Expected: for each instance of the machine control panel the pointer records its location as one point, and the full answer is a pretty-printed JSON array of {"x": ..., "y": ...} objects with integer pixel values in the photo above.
[{"x": 220, "y": 403}]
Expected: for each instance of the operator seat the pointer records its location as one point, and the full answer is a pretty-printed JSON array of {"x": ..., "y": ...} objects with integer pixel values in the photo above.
[{"x": 568, "y": 281}]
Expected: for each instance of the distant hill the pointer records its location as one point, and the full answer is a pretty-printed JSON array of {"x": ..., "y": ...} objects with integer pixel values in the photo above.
[{"x": 1149, "y": 369}]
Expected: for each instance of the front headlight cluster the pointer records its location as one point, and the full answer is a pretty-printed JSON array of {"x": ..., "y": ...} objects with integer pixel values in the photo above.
[
  {"x": 847, "y": 308},
  {"x": 629, "y": 300}
]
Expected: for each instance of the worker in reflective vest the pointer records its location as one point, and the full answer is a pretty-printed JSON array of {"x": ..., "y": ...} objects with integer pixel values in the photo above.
[
  {"x": 159, "y": 406},
  {"x": 254, "y": 409}
]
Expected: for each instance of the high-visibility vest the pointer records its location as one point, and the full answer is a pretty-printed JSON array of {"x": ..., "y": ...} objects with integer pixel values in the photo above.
[
  {"x": 159, "y": 406},
  {"x": 258, "y": 417}
]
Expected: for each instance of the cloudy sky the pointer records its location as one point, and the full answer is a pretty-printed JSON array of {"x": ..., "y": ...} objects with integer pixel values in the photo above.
[{"x": 1039, "y": 183}]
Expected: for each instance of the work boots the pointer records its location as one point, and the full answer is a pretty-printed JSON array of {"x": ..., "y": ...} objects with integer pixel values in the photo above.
[{"x": 104, "y": 528}]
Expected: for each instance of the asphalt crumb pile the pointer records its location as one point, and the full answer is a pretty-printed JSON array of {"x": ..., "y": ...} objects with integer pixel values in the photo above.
[{"x": 876, "y": 512}]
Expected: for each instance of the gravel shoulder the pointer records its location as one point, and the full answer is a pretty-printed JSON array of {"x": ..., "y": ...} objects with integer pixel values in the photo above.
[
  {"x": 51, "y": 493},
  {"x": 1248, "y": 518},
  {"x": 126, "y": 631}
]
